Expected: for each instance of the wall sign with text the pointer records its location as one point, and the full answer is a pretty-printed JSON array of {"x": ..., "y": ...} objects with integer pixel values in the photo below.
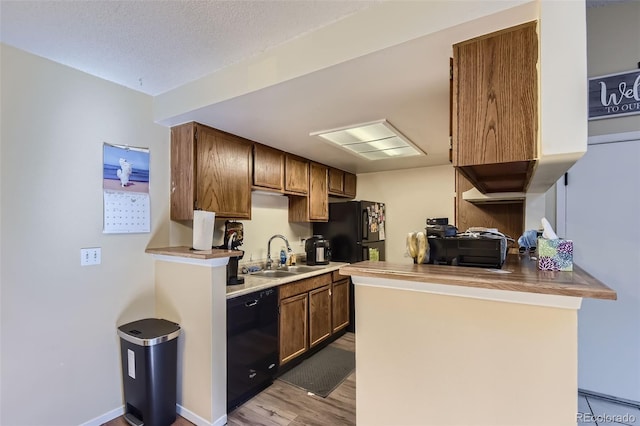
[{"x": 614, "y": 95}]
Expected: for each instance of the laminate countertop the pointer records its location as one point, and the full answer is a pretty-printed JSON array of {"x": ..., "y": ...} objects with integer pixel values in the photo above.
[
  {"x": 188, "y": 252},
  {"x": 255, "y": 283},
  {"x": 251, "y": 282},
  {"x": 519, "y": 273}
]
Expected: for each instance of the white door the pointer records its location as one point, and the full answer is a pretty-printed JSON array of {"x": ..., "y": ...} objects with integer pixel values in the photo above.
[{"x": 603, "y": 220}]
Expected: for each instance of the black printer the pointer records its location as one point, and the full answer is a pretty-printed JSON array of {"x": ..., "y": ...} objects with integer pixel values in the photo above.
[{"x": 485, "y": 250}]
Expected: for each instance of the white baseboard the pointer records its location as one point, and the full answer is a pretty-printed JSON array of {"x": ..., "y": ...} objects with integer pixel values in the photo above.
[
  {"x": 115, "y": 413},
  {"x": 197, "y": 420},
  {"x": 189, "y": 415}
]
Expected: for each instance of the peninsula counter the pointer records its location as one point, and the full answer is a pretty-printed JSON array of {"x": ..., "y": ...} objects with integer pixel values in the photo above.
[{"x": 450, "y": 345}]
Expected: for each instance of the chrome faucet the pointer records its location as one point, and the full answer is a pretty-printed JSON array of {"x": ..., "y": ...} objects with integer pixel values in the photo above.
[{"x": 269, "y": 261}]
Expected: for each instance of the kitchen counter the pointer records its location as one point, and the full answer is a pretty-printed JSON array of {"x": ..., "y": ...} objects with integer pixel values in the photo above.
[
  {"x": 191, "y": 290},
  {"x": 189, "y": 253},
  {"x": 519, "y": 273},
  {"x": 254, "y": 283},
  {"x": 503, "y": 344}
]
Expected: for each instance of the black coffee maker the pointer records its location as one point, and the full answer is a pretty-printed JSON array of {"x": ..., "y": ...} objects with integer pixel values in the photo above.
[
  {"x": 318, "y": 250},
  {"x": 233, "y": 236}
]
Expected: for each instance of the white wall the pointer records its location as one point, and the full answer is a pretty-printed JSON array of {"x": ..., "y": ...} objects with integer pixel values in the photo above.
[
  {"x": 411, "y": 196},
  {"x": 60, "y": 351},
  {"x": 613, "y": 43},
  {"x": 270, "y": 216},
  {"x": 608, "y": 340}
]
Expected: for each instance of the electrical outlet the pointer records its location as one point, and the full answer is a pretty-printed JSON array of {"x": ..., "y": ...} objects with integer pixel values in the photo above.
[{"x": 90, "y": 256}]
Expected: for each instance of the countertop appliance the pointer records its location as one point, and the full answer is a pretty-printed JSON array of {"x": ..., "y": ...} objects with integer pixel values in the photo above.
[
  {"x": 318, "y": 250},
  {"x": 233, "y": 238},
  {"x": 356, "y": 232},
  {"x": 488, "y": 251},
  {"x": 252, "y": 345}
]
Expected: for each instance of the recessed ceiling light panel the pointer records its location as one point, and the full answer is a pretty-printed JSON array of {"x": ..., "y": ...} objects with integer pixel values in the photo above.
[{"x": 377, "y": 140}]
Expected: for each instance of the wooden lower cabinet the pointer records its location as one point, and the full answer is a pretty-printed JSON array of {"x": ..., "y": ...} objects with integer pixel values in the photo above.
[
  {"x": 339, "y": 305},
  {"x": 319, "y": 315},
  {"x": 293, "y": 327},
  {"x": 307, "y": 316}
]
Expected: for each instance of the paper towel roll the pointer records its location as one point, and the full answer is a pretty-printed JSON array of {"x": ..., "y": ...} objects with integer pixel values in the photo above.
[{"x": 203, "y": 229}]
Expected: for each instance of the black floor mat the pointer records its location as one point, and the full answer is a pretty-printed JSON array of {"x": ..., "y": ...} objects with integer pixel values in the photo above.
[{"x": 323, "y": 372}]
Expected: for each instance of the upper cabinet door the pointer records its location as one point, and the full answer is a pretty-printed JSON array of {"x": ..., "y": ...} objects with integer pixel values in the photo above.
[
  {"x": 336, "y": 181},
  {"x": 183, "y": 170},
  {"x": 318, "y": 194},
  {"x": 223, "y": 173},
  {"x": 495, "y": 97},
  {"x": 268, "y": 167},
  {"x": 350, "y": 185},
  {"x": 296, "y": 174}
]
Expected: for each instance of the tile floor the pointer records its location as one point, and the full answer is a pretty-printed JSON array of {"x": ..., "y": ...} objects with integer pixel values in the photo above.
[{"x": 597, "y": 412}]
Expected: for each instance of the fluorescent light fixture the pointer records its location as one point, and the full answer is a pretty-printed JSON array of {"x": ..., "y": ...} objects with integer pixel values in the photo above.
[{"x": 376, "y": 140}]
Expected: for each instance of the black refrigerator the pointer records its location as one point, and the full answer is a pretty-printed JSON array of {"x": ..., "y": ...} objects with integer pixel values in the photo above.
[{"x": 356, "y": 232}]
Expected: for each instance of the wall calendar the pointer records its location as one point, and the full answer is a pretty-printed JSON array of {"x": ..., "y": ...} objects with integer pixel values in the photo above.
[{"x": 125, "y": 180}]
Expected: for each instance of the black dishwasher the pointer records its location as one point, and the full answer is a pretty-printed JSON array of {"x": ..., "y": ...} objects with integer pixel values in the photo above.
[{"x": 252, "y": 345}]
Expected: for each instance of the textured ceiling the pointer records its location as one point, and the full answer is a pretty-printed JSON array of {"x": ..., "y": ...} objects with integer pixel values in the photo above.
[
  {"x": 154, "y": 46},
  {"x": 157, "y": 47}
]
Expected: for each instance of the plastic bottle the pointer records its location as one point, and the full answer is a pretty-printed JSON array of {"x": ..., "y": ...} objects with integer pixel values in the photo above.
[{"x": 283, "y": 257}]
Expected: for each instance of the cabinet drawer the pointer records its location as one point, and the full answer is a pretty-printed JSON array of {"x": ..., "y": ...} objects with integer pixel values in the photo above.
[{"x": 304, "y": 286}]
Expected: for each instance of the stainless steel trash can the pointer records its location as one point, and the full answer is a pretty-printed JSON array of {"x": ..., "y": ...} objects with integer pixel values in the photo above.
[{"x": 149, "y": 353}]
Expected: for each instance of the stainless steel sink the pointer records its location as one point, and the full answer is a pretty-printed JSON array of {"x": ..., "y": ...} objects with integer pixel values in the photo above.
[
  {"x": 286, "y": 271},
  {"x": 301, "y": 269},
  {"x": 274, "y": 274}
]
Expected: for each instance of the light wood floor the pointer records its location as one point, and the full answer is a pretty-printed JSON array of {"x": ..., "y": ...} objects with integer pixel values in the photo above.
[{"x": 282, "y": 404}]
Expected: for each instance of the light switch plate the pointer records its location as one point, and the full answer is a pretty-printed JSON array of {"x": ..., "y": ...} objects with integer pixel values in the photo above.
[{"x": 90, "y": 256}]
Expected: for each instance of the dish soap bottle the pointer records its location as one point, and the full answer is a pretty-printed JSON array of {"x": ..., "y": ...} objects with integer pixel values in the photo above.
[{"x": 283, "y": 257}]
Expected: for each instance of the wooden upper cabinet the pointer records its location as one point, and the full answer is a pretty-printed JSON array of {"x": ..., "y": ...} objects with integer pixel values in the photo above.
[
  {"x": 268, "y": 167},
  {"x": 296, "y": 171},
  {"x": 224, "y": 173},
  {"x": 183, "y": 170},
  {"x": 350, "y": 185},
  {"x": 336, "y": 181},
  {"x": 210, "y": 170},
  {"x": 342, "y": 184},
  {"x": 315, "y": 206},
  {"x": 318, "y": 193},
  {"x": 495, "y": 108}
]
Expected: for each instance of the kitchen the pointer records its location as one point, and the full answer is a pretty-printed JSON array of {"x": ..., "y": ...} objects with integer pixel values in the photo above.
[{"x": 88, "y": 302}]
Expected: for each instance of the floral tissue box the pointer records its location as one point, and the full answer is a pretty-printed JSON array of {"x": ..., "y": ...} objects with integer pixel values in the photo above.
[{"x": 555, "y": 255}]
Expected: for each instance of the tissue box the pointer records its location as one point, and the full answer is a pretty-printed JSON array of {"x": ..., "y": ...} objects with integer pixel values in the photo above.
[{"x": 555, "y": 255}]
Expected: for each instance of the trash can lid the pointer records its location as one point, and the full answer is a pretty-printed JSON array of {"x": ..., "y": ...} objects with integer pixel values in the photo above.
[{"x": 149, "y": 331}]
